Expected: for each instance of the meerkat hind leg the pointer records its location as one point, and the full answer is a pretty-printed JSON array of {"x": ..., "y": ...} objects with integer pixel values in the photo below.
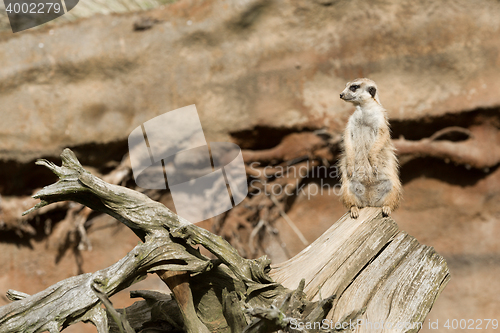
[
  {"x": 391, "y": 200},
  {"x": 359, "y": 190},
  {"x": 354, "y": 212},
  {"x": 380, "y": 192},
  {"x": 386, "y": 211}
]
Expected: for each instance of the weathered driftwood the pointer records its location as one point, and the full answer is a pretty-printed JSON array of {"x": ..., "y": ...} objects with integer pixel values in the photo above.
[
  {"x": 367, "y": 271},
  {"x": 380, "y": 274}
]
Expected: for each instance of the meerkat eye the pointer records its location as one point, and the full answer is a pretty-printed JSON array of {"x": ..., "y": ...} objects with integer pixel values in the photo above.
[{"x": 354, "y": 87}]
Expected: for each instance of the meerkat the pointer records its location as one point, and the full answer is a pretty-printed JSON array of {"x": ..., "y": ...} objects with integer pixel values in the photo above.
[{"x": 368, "y": 165}]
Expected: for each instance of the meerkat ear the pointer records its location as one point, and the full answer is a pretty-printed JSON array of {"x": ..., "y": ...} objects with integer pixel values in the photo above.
[{"x": 372, "y": 91}]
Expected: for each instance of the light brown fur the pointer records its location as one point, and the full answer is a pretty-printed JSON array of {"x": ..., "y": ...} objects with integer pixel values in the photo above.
[{"x": 368, "y": 165}]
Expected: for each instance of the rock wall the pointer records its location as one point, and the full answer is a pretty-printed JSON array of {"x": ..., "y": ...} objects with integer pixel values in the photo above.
[{"x": 278, "y": 64}]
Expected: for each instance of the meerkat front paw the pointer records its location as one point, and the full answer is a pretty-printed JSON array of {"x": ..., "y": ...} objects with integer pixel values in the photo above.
[
  {"x": 354, "y": 212},
  {"x": 386, "y": 210}
]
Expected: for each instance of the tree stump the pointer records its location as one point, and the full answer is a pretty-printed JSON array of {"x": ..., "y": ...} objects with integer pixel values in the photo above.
[{"x": 381, "y": 276}]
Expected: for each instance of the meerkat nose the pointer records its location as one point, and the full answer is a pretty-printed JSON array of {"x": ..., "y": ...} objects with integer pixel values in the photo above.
[{"x": 342, "y": 95}]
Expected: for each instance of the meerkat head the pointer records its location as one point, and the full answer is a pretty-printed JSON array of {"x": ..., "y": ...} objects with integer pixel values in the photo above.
[{"x": 360, "y": 92}]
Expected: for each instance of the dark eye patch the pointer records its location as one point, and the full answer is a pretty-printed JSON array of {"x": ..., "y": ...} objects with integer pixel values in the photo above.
[{"x": 354, "y": 87}]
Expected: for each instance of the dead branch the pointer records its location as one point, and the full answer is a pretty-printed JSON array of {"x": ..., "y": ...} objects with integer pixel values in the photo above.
[
  {"x": 293, "y": 146},
  {"x": 73, "y": 300},
  {"x": 11, "y": 209},
  {"x": 168, "y": 247},
  {"x": 263, "y": 204},
  {"x": 283, "y": 167},
  {"x": 119, "y": 318},
  {"x": 450, "y": 130},
  {"x": 375, "y": 272},
  {"x": 480, "y": 150}
]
